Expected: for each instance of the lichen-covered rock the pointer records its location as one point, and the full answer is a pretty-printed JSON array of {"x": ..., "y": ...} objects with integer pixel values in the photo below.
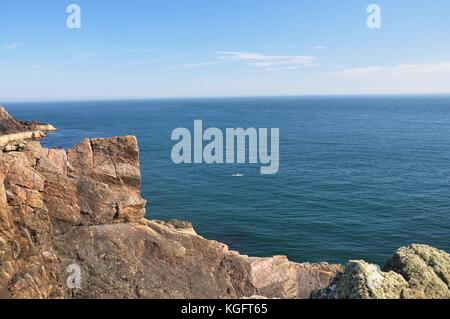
[
  {"x": 426, "y": 269},
  {"x": 414, "y": 272},
  {"x": 361, "y": 280}
]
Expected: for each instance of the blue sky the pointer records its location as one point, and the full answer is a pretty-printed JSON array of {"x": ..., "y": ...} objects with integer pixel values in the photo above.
[{"x": 196, "y": 48}]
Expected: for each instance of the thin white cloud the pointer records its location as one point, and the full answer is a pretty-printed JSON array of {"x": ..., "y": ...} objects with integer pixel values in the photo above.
[
  {"x": 320, "y": 47},
  {"x": 13, "y": 45},
  {"x": 273, "y": 62},
  {"x": 35, "y": 67},
  {"x": 198, "y": 65},
  {"x": 158, "y": 60},
  {"x": 405, "y": 69},
  {"x": 360, "y": 72},
  {"x": 80, "y": 58},
  {"x": 285, "y": 68},
  {"x": 397, "y": 71}
]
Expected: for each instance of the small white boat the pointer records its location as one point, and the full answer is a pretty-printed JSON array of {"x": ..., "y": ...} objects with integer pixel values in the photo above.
[{"x": 237, "y": 174}]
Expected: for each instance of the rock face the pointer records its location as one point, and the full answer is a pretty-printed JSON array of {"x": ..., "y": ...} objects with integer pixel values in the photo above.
[
  {"x": 48, "y": 197},
  {"x": 278, "y": 278},
  {"x": 29, "y": 267},
  {"x": 151, "y": 260},
  {"x": 415, "y": 272}
]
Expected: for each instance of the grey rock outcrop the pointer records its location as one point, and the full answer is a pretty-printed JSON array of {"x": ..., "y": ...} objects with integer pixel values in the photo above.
[
  {"x": 414, "y": 272},
  {"x": 361, "y": 280},
  {"x": 426, "y": 269}
]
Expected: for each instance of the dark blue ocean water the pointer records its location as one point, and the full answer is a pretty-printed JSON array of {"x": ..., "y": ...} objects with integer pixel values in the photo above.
[{"x": 359, "y": 176}]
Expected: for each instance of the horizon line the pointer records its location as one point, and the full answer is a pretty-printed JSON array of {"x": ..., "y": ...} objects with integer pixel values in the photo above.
[{"x": 105, "y": 99}]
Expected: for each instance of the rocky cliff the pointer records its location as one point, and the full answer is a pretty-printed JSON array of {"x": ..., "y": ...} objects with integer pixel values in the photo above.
[
  {"x": 13, "y": 133},
  {"x": 72, "y": 226}
]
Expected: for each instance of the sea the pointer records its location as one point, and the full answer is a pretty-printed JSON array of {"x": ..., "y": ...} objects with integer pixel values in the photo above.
[{"x": 359, "y": 176}]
